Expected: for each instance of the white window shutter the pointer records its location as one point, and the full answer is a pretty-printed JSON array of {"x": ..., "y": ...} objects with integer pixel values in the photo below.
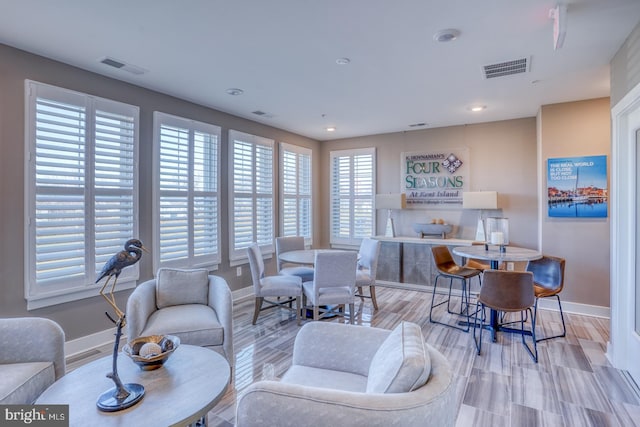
[
  {"x": 186, "y": 177},
  {"x": 295, "y": 192},
  {"x": 251, "y": 206},
  {"x": 352, "y": 193}
]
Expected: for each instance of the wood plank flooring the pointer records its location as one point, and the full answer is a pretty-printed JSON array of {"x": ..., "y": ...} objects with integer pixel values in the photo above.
[{"x": 572, "y": 385}]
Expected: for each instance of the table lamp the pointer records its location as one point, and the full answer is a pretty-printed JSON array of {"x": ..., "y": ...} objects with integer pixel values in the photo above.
[
  {"x": 480, "y": 200},
  {"x": 391, "y": 201}
]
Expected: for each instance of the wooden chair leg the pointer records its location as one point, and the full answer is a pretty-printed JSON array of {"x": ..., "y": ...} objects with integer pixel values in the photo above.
[
  {"x": 352, "y": 313},
  {"x": 316, "y": 313},
  {"x": 298, "y": 309},
  {"x": 360, "y": 293},
  {"x": 372, "y": 290},
  {"x": 256, "y": 309}
]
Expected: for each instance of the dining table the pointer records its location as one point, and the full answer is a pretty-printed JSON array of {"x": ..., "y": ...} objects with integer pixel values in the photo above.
[
  {"x": 497, "y": 255},
  {"x": 304, "y": 256}
]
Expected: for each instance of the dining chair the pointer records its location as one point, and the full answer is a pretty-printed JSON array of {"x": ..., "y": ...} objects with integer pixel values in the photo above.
[
  {"x": 272, "y": 286},
  {"x": 333, "y": 284},
  {"x": 292, "y": 243},
  {"x": 367, "y": 267},
  {"x": 507, "y": 291},
  {"x": 447, "y": 268},
  {"x": 548, "y": 281}
]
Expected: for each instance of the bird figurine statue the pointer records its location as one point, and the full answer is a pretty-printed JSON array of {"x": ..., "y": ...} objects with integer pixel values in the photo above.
[
  {"x": 113, "y": 267},
  {"x": 121, "y": 396}
]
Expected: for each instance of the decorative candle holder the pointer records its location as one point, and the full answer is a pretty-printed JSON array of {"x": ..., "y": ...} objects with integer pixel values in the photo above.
[{"x": 498, "y": 232}]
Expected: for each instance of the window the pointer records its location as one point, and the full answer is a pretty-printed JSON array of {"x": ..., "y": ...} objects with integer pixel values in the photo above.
[
  {"x": 352, "y": 193},
  {"x": 251, "y": 193},
  {"x": 186, "y": 195},
  {"x": 81, "y": 191},
  {"x": 295, "y": 192}
]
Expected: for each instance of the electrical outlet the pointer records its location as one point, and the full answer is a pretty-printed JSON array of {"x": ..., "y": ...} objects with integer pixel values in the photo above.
[
  {"x": 238, "y": 271},
  {"x": 510, "y": 266}
]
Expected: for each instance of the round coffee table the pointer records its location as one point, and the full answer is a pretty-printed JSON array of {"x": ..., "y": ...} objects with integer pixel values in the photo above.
[{"x": 179, "y": 393}]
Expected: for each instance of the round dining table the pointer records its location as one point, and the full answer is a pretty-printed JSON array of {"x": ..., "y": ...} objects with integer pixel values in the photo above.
[
  {"x": 304, "y": 256},
  {"x": 496, "y": 255}
]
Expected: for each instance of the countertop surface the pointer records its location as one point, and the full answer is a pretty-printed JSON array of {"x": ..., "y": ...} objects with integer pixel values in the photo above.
[{"x": 426, "y": 240}]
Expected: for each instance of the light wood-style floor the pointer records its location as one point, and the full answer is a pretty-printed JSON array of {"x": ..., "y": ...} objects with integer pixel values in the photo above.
[{"x": 572, "y": 385}]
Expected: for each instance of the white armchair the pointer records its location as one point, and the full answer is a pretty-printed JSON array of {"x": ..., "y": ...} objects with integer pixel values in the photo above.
[
  {"x": 190, "y": 304},
  {"x": 31, "y": 358},
  {"x": 351, "y": 375}
]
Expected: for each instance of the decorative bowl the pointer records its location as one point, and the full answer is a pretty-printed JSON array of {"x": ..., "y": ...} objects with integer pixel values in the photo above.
[
  {"x": 432, "y": 229},
  {"x": 156, "y": 349}
]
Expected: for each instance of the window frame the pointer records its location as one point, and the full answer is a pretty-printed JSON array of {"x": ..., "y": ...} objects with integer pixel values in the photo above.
[
  {"x": 298, "y": 151},
  {"x": 238, "y": 255},
  {"x": 63, "y": 289},
  {"x": 211, "y": 261},
  {"x": 351, "y": 154}
]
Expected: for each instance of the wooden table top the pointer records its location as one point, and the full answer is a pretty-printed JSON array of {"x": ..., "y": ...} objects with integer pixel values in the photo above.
[{"x": 184, "y": 389}]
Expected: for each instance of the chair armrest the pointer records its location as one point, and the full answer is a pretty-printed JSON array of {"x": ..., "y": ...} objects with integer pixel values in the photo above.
[
  {"x": 276, "y": 403},
  {"x": 347, "y": 348},
  {"x": 221, "y": 301},
  {"x": 140, "y": 305},
  {"x": 32, "y": 339}
]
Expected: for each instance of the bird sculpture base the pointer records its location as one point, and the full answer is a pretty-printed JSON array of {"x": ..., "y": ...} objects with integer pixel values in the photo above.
[
  {"x": 110, "y": 400},
  {"x": 122, "y": 396}
]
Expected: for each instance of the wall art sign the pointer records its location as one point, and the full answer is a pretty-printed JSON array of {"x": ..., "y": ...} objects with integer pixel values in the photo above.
[
  {"x": 577, "y": 187},
  {"x": 435, "y": 179}
]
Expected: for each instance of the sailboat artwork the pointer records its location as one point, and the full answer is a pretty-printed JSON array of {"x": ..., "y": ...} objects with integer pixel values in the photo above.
[{"x": 577, "y": 187}]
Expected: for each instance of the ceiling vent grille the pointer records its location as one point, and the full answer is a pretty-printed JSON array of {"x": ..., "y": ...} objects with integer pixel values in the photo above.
[
  {"x": 506, "y": 68},
  {"x": 122, "y": 66},
  {"x": 263, "y": 114}
]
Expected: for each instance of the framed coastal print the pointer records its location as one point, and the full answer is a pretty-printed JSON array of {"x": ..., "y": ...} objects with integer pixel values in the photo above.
[{"x": 577, "y": 187}]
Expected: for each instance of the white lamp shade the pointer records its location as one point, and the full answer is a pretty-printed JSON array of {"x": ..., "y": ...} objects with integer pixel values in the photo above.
[
  {"x": 480, "y": 200},
  {"x": 391, "y": 201}
]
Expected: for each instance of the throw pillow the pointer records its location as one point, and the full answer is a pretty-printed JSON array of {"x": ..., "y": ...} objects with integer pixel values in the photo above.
[
  {"x": 402, "y": 362},
  {"x": 176, "y": 287}
]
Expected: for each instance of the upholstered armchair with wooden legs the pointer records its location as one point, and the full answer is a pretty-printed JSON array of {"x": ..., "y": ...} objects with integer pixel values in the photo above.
[
  {"x": 548, "y": 281},
  {"x": 367, "y": 267},
  {"x": 272, "y": 286},
  {"x": 333, "y": 284}
]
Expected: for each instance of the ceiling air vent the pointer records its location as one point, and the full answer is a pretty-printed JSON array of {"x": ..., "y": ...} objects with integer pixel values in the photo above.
[
  {"x": 506, "y": 68},
  {"x": 259, "y": 113},
  {"x": 122, "y": 66}
]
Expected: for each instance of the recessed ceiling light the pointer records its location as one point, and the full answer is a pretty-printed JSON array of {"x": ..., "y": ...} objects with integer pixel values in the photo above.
[
  {"x": 330, "y": 129},
  {"x": 477, "y": 108},
  {"x": 342, "y": 61},
  {"x": 447, "y": 35},
  {"x": 234, "y": 91}
]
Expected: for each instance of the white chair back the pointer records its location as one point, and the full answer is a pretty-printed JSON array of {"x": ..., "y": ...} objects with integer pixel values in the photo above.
[
  {"x": 286, "y": 244},
  {"x": 368, "y": 255},
  {"x": 257, "y": 266},
  {"x": 335, "y": 269}
]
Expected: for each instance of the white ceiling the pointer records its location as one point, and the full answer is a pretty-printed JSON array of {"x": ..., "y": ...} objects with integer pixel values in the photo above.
[{"x": 283, "y": 53}]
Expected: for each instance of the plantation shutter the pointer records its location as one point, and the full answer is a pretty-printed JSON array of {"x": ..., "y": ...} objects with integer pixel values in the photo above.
[
  {"x": 251, "y": 189},
  {"x": 295, "y": 209},
  {"x": 187, "y": 208},
  {"x": 352, "y": 192}
]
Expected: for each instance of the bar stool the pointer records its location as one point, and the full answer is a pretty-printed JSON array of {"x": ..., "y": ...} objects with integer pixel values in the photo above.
[
  {"x": 448, "y": 268},
  {"x": 508, "y": 291}
]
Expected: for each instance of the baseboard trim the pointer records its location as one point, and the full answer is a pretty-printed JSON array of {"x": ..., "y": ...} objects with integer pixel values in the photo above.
[
  {"x": 544, "y": 304},
  {"x": 98, "y": 339}
]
